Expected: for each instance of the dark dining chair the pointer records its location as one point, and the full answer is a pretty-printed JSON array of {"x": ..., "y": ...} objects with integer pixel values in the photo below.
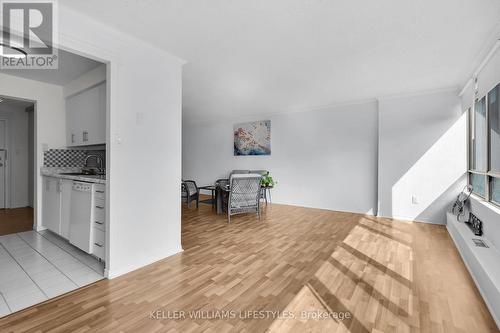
[
  {"x": 190, "y": 192},
  {"x": 222, "y": 182}
]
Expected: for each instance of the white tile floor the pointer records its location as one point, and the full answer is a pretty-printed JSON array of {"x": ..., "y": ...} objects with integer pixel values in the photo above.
[{"x": 36, "y": 266}]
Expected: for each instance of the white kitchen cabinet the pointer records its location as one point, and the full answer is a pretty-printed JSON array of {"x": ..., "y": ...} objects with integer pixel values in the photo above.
[
  {"x": 86, "y": 117},
  {"x": 99, "y": 226},
  {"x": 99, "y": 130},
  {"x": 56, "y": 206},
  {"x": 51, "y": 204},
  {"x": 99, "y": 243}
]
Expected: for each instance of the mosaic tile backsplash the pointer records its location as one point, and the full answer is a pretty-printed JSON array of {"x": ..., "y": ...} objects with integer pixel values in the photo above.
[{"x": 71, "y": 157}]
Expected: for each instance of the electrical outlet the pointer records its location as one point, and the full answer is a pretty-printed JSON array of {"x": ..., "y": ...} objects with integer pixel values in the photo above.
[{"x": 414, "y": 200}]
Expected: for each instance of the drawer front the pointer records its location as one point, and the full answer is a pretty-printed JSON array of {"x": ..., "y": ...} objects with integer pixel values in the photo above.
[
  {"x": 101, "y": 225},
  {"x": 99, "y": 211},
  {"x": 99, "y": 202},
  {"x": 99, "y": 187},
  {"x": 99, "y": 244},
  {"x": 99, "y": 192}
]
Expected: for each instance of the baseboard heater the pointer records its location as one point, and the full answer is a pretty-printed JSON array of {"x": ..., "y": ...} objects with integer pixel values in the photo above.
[{"x": 481, "y": 259}]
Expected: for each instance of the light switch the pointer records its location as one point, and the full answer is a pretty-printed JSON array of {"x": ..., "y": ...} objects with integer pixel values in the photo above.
[
  {"x": 139, "y": 118},
  {"x": 414, "y": 200},
  {"x": 117, "y": 138}
]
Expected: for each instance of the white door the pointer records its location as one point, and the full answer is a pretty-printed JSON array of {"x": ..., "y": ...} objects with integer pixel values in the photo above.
[{"x": 3, "y": 165}]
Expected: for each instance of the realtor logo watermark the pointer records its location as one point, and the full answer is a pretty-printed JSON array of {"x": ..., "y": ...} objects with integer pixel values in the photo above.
[{"x": 28, "y": 35}]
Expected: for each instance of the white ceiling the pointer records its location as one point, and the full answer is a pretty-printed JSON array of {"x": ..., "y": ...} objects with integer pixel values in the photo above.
[
  {"x": 70, "y": 66},
  {"x": 261, "y": 56}
]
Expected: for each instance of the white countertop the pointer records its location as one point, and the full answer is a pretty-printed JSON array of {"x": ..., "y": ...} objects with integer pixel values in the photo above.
[{"x": 58, "y": 173}]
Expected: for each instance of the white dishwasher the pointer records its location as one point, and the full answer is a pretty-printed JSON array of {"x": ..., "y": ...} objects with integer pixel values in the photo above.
[{"x": 82, "y": 213}]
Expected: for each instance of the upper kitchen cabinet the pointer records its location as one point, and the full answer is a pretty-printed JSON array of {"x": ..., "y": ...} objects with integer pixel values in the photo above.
[{"x": 86, "y": 117}]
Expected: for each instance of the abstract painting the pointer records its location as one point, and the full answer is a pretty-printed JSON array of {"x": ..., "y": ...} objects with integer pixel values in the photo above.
[{"x": 252, "y": 138}]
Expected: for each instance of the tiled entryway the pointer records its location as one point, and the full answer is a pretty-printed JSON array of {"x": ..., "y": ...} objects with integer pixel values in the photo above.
[{"x": 35, "y": 267}]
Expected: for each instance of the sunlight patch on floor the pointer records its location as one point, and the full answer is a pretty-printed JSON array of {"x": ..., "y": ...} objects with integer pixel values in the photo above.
[{"x": 370, "y": 275}]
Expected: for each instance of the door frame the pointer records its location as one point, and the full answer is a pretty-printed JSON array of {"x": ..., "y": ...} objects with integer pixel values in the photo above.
[
  {"x": 74, "y": 44},
  {"x": 7, "y": 164},
  {"x": 9, "y": 155}
]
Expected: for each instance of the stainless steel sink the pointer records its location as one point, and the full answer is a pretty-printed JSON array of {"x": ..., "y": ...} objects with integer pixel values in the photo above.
[
  {"x": 73, "y": 174},
  {"x": 94, "y": 176},
  {"x": 83, "y": 175}
]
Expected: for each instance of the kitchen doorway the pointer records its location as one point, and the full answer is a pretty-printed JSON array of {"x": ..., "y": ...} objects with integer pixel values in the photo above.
[
  {"x": 16, "y": 165},
  {"x": 64, "y": 245},
  {"x": 3, "y": 162}
]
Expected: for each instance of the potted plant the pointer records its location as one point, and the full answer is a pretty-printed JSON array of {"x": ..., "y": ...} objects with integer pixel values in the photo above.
[{"x": 268, "y": 181}]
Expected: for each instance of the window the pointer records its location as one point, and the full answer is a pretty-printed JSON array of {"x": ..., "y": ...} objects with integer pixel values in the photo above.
[
  {"x": 495, "y": 190},
  {"x": 484, "y": 146},
  {"x": 478, "y": 182},
  {"x": 478, "y": 138},
  {"x": 494, "y": 120}
]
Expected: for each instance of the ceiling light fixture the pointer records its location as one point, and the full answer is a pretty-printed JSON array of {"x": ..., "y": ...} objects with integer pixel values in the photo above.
[{"x": 20, "y": 52}]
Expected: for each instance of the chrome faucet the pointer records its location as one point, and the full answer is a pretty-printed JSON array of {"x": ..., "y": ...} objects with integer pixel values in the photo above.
[{"x": 98, "y": 160}]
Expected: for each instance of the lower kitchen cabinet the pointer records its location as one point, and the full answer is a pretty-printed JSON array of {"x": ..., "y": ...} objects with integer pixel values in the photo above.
[
  {"x": 51, "y": 204},
  {"x": 99, "y": 223},
  {"x": 56, "y": 202},
  {"x": 99, "y": 246},
  {"x": 76, "y": 211}
]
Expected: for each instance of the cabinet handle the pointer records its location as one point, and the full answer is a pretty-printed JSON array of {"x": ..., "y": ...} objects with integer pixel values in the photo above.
[
  {"x": 100, "y": 245},
  {"x": 101, "y": 223},
  {"x": 72, "y": 138},
  {"x": 85, "y": 136},
  {"x": 99, "y": 191},
  {"x": 100, "y": 207}
]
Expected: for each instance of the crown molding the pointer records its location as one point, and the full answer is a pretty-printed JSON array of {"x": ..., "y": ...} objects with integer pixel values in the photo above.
[
  {"x": 419, "y": 93},
  {"x": 489, "y": 48},
  {"x": 281, "y": 112}
]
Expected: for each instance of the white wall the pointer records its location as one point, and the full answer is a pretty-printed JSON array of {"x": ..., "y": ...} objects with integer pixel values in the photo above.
[
  {"x": 17, "y": 132},
  {"x": 49, "y": 119},
  {"x": 144, "y": 141},
  {"x": 144, "y": 134},
  {"x": 351, "y": 158},
  {"x": 323, "y": 159},
  {"x": 422, "y": 149}
]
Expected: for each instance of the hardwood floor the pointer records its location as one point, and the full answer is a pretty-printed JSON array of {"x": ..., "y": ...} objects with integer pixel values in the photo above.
[
  {"x": 16, "y": 220},
  {"x": 389, "y": 276}
]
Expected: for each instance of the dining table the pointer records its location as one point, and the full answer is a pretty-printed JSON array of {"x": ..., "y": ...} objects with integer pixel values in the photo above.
[
  {"x": 212, "y": 189},
  {"x": 222, "y": 190}
]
